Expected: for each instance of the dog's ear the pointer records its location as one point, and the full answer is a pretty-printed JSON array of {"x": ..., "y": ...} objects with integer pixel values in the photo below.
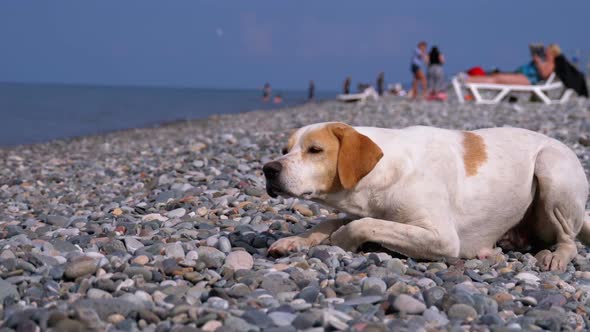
[{"x": 357, "y": 155}]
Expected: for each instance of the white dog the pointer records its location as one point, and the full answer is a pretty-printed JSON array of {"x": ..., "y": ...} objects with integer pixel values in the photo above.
[{"x": 429, "y": 193}]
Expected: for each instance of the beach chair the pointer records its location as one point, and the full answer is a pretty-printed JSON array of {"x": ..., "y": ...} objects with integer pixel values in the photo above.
[
  {"x": 359, "y": 97},
  {"x": 541, "y": 90}
]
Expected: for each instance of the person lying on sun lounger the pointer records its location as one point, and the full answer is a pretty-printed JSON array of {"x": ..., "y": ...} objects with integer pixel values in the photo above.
[{"x": 531, "y": 73}]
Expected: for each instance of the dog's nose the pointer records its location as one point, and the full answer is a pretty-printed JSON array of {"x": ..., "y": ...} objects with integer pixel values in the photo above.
[{"x": 272, "y": 170}]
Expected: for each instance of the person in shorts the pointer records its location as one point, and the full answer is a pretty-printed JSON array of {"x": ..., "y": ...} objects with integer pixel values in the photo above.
[{"x": 419, "y": 61}]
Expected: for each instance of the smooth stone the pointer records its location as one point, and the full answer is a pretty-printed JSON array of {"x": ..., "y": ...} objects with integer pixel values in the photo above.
[
  {"x": 336, "y": 319},
  {"x": 211, "y": 326},
  {"x": 174, "y": 250},
  {"x": 80, "y": 266},
  {"x": 132, "y": 271},
  {"x": 154, "y": 217},
  {"x": 309, "y": 294},
  {"x": 528, "y": 300},
  {"x": 407, "y": 304},
  {"x": 218, "y": 303},
  {"x": 527, "y": 277},
  {"x": 224, "y": 245},
  {"x": 462, "y": 312},
  {"x": 282, "y": 318},
  {"x": 277, "y": 284},
  {"x": 140, "y": 260},
  {"x": 115, "y": 318},
  {"x": 251, "y": 191},
  {"x": 237, "y": 324},
  {"x": 363, "y": 300},
  {"x": 239, "y": 260},
  {"x": 303, "y": 210},
  {"x": 212, "y": 257},
  {"x": 239, "y": 290},
  {"x": 95, "y": 293},
  {"x": 176, "y": 213},
  {"x": 433, "y": 296},
  {"x": 257, "y": 318},
  {"x": 396, "y": 265},
  {"x": 132, "y": 244},
  {"x": 432, "y": 315},
  {"x": 372, "y": 283},
  {"x": 69, "y": 325},
  {"x": 553, "y": 300},
  {"x": 8, "y": 290},
  {"x": 59, "y": 221}
]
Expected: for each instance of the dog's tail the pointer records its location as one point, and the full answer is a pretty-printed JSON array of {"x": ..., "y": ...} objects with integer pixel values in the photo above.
[{"x": 584, "y": 235}]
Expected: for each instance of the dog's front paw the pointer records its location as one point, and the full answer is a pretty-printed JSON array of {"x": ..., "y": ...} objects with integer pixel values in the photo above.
[
  {"x": 551, "y": 261},
  {"x": 287, "y": 245},
  {"x": 345, "y": 238}
]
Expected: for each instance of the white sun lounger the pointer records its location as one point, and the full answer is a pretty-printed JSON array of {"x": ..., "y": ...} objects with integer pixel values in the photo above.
[
  {"x": 540, "y": 90},
  {"x": 363, "y": 96}
]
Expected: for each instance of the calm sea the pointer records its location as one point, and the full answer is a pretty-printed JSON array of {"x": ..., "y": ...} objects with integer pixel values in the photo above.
[{"x": 34, "y": 113}]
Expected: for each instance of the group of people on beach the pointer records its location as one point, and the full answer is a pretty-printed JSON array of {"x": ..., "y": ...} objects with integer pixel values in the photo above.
[
  {"x": 430, "y": 63},
  {"x": 266, "y": 92},
  {"x": 427, "y": 71},
  {"x": 543, "y": 63}
]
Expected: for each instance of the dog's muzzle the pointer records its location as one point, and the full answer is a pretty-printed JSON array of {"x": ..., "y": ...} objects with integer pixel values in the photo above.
[{"x": 272, "y": 172}]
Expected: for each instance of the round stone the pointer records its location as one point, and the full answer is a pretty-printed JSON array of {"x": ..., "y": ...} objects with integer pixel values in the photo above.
[
  {"x": 462, "y": 312},
  {"x": 140, "y": 260},
  {"x": 115, "y": 318},
  {"x": 176, "y": 213},
  {"x": 372, "y": 284},
  {"x": 239, "y": 260},
  {"x": 407, "y": 304},
  {"x": 80, "y": 266},
  {"x": 212, "y": 257},
  {"x": 95, "y": 293}
]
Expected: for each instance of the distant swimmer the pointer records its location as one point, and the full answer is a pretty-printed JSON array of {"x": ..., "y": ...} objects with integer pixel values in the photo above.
[
  {"x": 311, "y": 91},
  {"x": 266, "y": 92},
  {"x": 278, "y": 99}
]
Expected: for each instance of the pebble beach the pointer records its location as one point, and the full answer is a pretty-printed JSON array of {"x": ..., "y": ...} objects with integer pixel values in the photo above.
[{"x": 167, "y": 229}]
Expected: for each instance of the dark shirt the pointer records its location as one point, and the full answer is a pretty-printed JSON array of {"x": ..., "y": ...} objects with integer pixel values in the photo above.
[{"x": 571, "y": 77}]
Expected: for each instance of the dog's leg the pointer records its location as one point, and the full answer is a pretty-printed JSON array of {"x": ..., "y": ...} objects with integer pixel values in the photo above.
[
  {"x": 310, "y": 238},
  {"x": 562, "y": 194},
  {"x": 412, "y": 241}
]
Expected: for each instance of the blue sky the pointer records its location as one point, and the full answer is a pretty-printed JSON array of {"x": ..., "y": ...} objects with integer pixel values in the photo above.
[{"x": 242, "y": 44}]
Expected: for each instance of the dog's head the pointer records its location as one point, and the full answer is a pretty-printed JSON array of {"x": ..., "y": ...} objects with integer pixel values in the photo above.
[{"x": 321, "y": 159}]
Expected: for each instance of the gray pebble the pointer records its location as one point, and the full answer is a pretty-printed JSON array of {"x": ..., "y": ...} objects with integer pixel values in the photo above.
[
  {"x": 462, "y": 312},
  {"x": 407, "y": 304}
]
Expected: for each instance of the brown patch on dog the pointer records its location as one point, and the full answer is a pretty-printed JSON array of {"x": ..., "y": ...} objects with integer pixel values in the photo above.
[
  {"x": 291, "y": 141},
  {"x": 323, "y": 137},
  {"x": 474, "y": 152},
  {"x": 357, "y": 155},
  {"x": 346, "y": 158}
]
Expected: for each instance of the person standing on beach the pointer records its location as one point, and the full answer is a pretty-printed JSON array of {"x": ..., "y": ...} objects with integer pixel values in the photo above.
[
  {"x": 435, "y": 72},
  {"x": 311, "y": 91},
  {"x": 347, "y": 85},
  {"x": 380, "y": 82},
  {"x": 419, "y": 59},
  {"x": 266, "y": 92}
]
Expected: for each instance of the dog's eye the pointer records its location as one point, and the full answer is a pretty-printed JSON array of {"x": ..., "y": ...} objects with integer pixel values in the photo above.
[
  {"x": 314, "y": 149},
  {"x": 285, "y": 151}
]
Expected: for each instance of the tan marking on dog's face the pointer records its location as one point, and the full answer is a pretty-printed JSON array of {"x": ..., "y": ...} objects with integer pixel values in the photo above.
[
  {"x": 474, "y": 152},
  {"x": 320, "y": 147},
  {"x": 290, "y": 142}
]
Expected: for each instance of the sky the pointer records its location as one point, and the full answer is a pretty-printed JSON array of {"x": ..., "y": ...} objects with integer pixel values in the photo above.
[{"x": 243, "y": 44}]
